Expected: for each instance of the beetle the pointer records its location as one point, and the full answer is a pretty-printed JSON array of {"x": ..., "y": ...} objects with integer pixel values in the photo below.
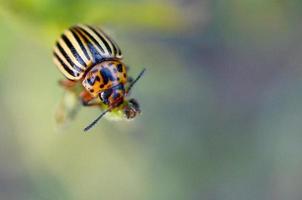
[{"x": 85, "y": 54}]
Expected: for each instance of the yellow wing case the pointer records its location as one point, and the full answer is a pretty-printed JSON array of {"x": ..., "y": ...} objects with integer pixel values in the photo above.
[{"x": 81, "y": 47}]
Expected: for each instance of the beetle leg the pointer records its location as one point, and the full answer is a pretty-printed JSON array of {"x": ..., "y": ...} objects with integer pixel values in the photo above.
[
  {"x": 134, "y": 81},
  {"x": 86, "y": 99},
  {"x": 67, "y": 84}
]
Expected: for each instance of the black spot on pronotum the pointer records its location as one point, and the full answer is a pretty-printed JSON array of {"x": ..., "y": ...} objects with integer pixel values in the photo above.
[
  {"x": 120, "y": 67},
  {"x": 106, "y": 75},
  {"x": 90, "y": 82},
  {"x": 124, "y": 75},
  {"x": 97, "y": 79},
  {"x": 92, "y": 90},
  {"x": 102, "y": 86}
]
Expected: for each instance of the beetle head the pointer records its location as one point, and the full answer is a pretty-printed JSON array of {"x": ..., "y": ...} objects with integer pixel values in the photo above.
[
  {"x": 113, "y": 96},
  {"x": 131, "y": 109}
]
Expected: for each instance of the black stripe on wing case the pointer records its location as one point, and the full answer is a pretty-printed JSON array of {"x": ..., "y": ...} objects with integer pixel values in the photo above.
[
  {"x": 73, "y": 50},
  {"x": 102, "y": 38},
  {"x": 72, "y": 73},
  {"x": 92, "y": 38},
  {"x": 68, "y": 58},
  {"x": 74, "y": 33},
  {"x": 96, "y": 56}
]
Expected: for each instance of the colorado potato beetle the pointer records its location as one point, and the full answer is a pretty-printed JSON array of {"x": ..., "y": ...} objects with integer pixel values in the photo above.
[{"x": 87, "y": 55}]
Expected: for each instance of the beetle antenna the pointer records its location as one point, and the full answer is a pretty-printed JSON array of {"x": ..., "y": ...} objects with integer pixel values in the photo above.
[
  {"x": 96, "y": 120},
  {"x": 137, "y": 78}
]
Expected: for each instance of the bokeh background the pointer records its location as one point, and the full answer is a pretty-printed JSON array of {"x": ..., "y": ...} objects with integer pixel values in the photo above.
[{"x": 221, "y": 101}]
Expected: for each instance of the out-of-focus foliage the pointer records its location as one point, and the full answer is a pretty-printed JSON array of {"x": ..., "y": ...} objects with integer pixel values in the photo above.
[
  {"x": 221, "y": 102},
  {"x": 47, "y": 16}
]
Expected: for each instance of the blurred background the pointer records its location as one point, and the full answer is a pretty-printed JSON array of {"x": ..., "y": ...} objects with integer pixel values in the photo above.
[{"x": 221, "y": 102}]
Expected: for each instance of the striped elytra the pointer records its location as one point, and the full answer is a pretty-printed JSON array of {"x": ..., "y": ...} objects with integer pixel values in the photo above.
[
  {"x": 86, "y": 54},
  {"x": 81, "y": 47}
]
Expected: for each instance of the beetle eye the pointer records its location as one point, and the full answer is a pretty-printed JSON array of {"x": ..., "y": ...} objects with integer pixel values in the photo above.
[
  {"x": 129, "y": 112},
  {"x": 134, "y": 105},
  {"x": 105, "y": 95}
]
